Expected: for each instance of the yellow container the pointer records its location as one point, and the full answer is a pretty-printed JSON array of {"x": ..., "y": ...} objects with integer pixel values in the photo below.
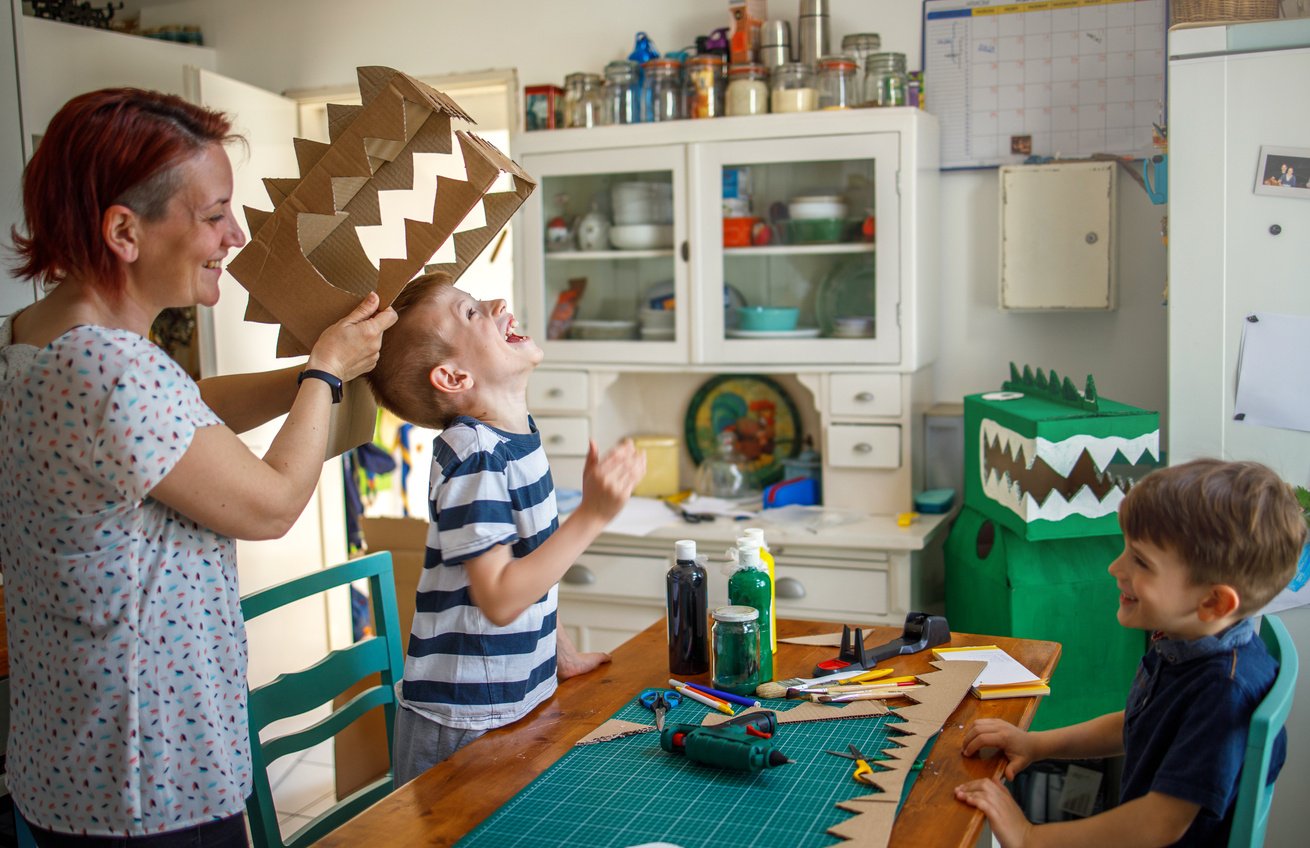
[{"x": 661, "y": 466}]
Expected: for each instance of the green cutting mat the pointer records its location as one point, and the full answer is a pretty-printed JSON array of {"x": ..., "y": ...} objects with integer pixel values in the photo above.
[{"x": 629, "y": 791}]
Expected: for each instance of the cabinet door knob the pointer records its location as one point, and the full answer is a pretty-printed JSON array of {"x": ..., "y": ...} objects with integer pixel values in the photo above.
[
  {"x": 863, "y": 447},
  {"x": 554, "y": 392},
  {"x": 864, "y": 397},
  {"x": 556, "y": 439},
  {"x": 686, "y": 251},
  {"x": 789, "y": 588},
  {"x": 579, "y": 575}
]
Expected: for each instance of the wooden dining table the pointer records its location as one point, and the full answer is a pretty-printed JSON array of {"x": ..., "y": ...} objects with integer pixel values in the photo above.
[{"x": 453, "y": 797}]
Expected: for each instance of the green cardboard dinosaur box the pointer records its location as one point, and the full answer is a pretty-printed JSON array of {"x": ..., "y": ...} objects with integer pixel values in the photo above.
[{"x": 1037, "y": 455}]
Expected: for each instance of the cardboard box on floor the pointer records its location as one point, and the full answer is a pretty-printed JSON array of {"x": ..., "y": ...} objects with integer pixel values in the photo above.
[
  {"x": 305, "y": 267},
  {"x": 361, "y": 749}
]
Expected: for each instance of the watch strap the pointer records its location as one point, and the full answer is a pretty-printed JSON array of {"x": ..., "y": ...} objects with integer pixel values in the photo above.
[{"x": 333, "y": 381}]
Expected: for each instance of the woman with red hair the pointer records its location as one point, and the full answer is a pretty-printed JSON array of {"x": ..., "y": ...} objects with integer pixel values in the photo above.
[{"x": 127, "y": 484}]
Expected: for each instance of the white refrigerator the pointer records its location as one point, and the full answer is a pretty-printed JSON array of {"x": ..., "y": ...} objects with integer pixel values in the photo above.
[{"x": 1235, "y": 91}]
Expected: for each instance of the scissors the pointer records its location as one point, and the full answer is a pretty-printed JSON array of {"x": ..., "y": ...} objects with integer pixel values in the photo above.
[
  {"x": 863, "y": 771},
  {"x": 660, "y": 701}
]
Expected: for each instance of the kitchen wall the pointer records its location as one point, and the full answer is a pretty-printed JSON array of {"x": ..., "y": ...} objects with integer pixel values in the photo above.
[{"x": 298, "y": 44}]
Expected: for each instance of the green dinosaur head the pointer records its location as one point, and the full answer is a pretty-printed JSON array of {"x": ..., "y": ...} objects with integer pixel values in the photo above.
[{"x": 1037, "y": 456}]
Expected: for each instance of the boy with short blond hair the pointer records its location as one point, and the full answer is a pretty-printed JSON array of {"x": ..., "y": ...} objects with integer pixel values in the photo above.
[
  {"x": 1206, "y": 544},
  {"x": 484, "y": 649}
]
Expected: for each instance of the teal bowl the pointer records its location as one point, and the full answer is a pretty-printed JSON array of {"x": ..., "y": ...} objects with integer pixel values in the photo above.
[{"x": 767, "y": 318}]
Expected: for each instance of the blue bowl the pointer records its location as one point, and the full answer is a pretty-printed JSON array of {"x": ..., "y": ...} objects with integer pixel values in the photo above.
[{"x": 767, "y": 318}]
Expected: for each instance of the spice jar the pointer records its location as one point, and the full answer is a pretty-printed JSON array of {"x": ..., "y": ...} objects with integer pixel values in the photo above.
[
  {"x": 793, "y": 89},
  {"x": 748, "y": 89},
  {"x": 736, "y": 649},
  {"x": 885, "y": 79},
  {"x": 706, "y": 82},
  {"x": 859, "y": 46},
  {"x": 621, "y": 93},
  {"x": 837, "y": 82},
  {"x": 661, "y": 94},
  {"x": 583, "y": 104}
]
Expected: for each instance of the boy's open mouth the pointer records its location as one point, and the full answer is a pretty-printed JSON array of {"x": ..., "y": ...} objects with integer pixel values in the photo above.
[{"x": 512, "y": 337}]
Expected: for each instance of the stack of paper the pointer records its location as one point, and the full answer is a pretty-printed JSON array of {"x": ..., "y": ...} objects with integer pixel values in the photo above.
[{"x": 1003, "y": 677}]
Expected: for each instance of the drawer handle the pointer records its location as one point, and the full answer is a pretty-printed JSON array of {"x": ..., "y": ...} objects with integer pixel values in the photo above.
[
  {"x": 863, "y": 447},
  {"x": 864, "y": 397},
  {"x": 556, "y": 439},
  {"x": 579, "y": 575},
  {"x": 790, "y": 589},
  {"x": 554, "y": 392}
]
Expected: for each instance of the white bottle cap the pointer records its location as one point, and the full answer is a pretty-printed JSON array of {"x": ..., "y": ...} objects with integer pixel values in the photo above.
[
  {"x": 748, "y": 554},
  {"x": 684, "y": 549}
]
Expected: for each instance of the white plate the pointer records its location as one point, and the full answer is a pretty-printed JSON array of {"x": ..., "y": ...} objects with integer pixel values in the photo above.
[{"x": 798, "y": 333}]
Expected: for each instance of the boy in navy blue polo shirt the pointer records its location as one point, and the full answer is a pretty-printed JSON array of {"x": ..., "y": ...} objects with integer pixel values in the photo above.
[{"x": 1206, "y": 544}]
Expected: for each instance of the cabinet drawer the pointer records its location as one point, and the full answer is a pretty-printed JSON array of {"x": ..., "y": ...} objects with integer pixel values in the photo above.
[
  {"x": 864, "y": 446},
  {"x": 564, "y": 436},
  {"x": 865, "y": 395},
  {"x": 817, "y": 592},
  {"x": 617, "y": 576},
  {"x": 557, "y": 391}
]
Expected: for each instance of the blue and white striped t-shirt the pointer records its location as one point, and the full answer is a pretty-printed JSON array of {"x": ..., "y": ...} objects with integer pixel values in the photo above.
[{"x": 489, "y": 488}]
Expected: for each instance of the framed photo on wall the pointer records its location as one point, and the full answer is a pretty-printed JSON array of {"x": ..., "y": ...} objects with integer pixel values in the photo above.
[{"x": 1283, "y": 172}]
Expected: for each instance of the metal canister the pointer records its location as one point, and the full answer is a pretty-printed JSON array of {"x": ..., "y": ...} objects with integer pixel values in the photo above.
[
  {"x": 775, "y": 44},
  {"x": 813, "y": 33}
]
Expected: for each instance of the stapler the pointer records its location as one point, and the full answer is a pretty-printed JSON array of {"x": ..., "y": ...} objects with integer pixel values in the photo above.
[{"x": 921, "y": 631}]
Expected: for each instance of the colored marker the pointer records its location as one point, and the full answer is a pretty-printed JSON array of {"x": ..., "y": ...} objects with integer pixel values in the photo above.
[
  {"x": 700, "y": 697},
  {"x": 723, "y": 696}
]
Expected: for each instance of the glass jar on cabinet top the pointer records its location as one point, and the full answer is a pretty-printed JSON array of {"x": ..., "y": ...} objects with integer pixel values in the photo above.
[
  {"x": 838, "y": 83},
  {"x": 748, "y": 89},
  {"x": 706, "y": 86},
  {"x": 793, "y": 89},
  {"x": 885, "y": 80},
  {"x": 621, "y": 91},
  {"x": 661, "y": 94},
  {"x": 583, "y": 101},
  {"x": 859, "y": 46}
]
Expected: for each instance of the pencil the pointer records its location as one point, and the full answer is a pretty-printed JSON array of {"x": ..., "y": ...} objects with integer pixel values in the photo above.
[
  {"x": 723, "y": 696},
  {"x": 681, "y": 684},
  {"x": 700, "y": 697}
]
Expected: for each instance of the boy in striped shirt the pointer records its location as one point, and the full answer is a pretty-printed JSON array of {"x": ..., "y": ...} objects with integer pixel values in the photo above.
[{"x": 482, "y": 652}]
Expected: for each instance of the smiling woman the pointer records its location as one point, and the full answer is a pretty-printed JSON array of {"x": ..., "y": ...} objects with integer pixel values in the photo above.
[{"x": 120, "y": 577}]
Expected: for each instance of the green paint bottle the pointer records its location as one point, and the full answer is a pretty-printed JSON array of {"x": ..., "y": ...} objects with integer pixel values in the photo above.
[{"x": 750, "y": 586}]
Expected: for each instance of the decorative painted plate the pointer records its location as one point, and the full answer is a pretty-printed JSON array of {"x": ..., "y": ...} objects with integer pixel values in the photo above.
[{"x": 760, "y": 414}]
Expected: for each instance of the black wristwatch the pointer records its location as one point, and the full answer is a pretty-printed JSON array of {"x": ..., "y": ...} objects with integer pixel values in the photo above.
[{"x": 333, "y": 381}]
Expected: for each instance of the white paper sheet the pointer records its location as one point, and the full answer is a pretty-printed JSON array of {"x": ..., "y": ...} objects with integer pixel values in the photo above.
[
  {"x": 641, "y": 517},
  {"x": 1273, "y": 384}
]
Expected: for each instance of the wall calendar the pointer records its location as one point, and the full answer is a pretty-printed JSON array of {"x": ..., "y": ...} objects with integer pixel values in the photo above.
[{"x": 1009, "y": 79}]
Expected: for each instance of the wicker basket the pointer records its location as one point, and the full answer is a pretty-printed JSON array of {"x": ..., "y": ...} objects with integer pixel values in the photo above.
[{"x": 1191, "y": 11}]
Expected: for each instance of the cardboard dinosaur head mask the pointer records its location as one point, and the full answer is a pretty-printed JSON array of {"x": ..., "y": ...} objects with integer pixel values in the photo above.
[
  {"x": 306, "y": 266},
  {"x": 1038, "y": 455}
]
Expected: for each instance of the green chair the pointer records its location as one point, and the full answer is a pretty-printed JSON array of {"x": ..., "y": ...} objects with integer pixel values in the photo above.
[
  {"x": 295, "y": 693},
  {"x": 1255, "y": 792}
]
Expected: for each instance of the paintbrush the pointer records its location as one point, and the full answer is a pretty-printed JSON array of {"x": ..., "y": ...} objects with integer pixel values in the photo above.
[
  {"x": 778, "y": 688},
  {"x": 861, "y": 687},
  {"x": 893, "y": 692}
]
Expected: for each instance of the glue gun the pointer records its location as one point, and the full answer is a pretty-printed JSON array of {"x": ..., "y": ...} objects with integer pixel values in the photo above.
[{"x": 744, "y": 743}]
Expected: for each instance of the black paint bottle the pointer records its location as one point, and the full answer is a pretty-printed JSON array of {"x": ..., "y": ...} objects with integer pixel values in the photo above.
[{"x": 688, "y": 612}]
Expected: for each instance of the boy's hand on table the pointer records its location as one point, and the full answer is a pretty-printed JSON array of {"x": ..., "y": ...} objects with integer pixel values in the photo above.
[
  {"x": 607, "y": 481},
  {"x": 1018, "y": 746},
  {"x": 569, "y": 662},
  {"x": 1008, "y": 823}
]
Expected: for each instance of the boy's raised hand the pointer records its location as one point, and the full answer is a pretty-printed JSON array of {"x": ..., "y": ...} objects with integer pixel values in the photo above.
[
  {"x": 607, "y": 481},
  {"x": 1017, "y": 745},
  {"x": 1008, "y": 822}
]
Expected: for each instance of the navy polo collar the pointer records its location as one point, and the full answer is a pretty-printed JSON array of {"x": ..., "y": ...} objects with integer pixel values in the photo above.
[{"x": 1182, "y": 650}]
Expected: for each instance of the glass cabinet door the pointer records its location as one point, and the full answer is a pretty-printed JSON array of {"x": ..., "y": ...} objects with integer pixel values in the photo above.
[
  {"x": 602, "y": 268},
  {"x": 795, "y": 250}
]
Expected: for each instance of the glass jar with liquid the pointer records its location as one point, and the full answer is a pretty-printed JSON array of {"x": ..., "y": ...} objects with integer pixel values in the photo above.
[
  {"x": 583, "y": 102},
  {"x": 748, "y": 89},
  {"x": 793, "y": 89},
  {"x": 736, "y": 639}
]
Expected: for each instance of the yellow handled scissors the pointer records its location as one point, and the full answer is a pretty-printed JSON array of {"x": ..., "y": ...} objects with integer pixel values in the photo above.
[{"x": 863, "y": 771}]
